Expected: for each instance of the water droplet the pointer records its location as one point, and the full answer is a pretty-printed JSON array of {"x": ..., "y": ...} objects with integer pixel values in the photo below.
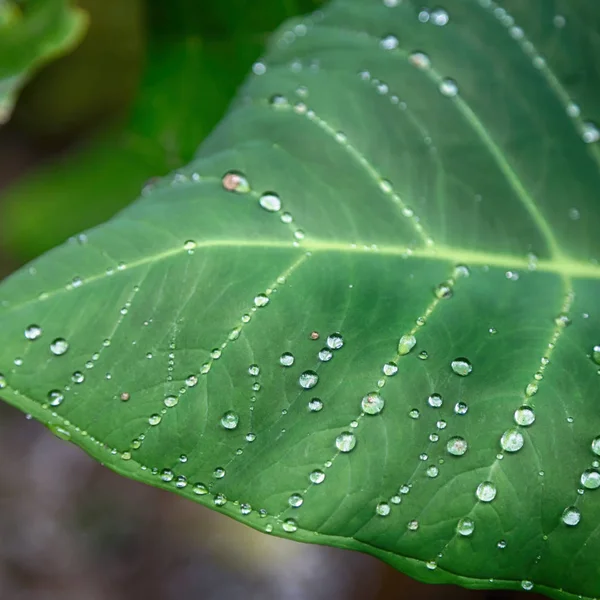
[
  {"x": 443, "y": 291},
  {"x": 289, "y": 526},
  {"x": 253, "y": 370},
  {"x": 596, "y": 354},
  {"x": 345, "y": 442},
  {"x": 295, "y": 500},
  {"x": 167, "y": 475},
  {"x": 308, "y": 380},
  {"x": 439, "y": 17},
  {"x": 420, "y": 60},
  {"x": 595, "y": 441},
  {"x": 461, "y": 271},
  {"x": 315, "y": 405},
  {"x": 562, "y": 320},
  {"x": 325, "y": 355},
  {"x": 414, "y": 413},
  {"x": 33, "y": 332},
  {"x": 60, "y": 432},
  {"x": 270, "y": 202},
  {"x": 191, "y": 381},
  {"x": 154, "y": 419},
  {"x": 559, "y": 21},
  {"x": 423, "y": 355},
  {"x": 55, "y": 398},
  {"x": 124, "y": 396},
  {"x": 190, "y": 246},
  {"x": 261, "y": 300},
  {"x": 230, "y": 420},
  {"x": 434, "y": 437},
  {"x": 590, "y": 133},
  {"x": 406, "y": 344},
  {"x": 2, "y": 381},
  {"x": 383, "y": 509},
  {"x": 286, "y": 359},
  {"x": 461, "y": 366},
  {"x": 501, "y": 544},
  {"x": 435, "y": 401},
  {"x": 335, "y": 341},
  {"x": 78, "y": 377},
  {"x": 486, "y": 491},
  {"x": 460, "y": 408},
  {"x": 59, "y": 346},
  {"x": 423, "y": 456},
  {"x": 219, "y": 473},
  {"x": 372, "y": 403},
  {"x": 531, "y": 389},
  {"x": 457, "y": 446},
  {"x": 448, "y": 87},
  {"x": 390, "y": 369},
  {"x": 259, "y": 68},
  {"x": 465, "y": 527},
  {"x": 390, "y": 42},
  {"x": 526, "y": 585},
  {"x": 512, "y": 440},
  {"x": 590, "y": 479},
  {"x": 413, "y": 525},
  {"x": 432, "y": 471},
  {"x": 524, "y": 416},
  {"x": 220, "y": 500},
  {"x": 571, "y": 516}
]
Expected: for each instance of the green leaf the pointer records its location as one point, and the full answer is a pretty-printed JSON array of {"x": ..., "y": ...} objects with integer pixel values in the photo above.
[
  {"x": 439, "y": 212},
  {"x": 30, "y": 36}
]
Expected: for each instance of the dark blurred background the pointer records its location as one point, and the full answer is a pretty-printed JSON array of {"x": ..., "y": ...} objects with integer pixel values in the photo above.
[{"x": 133, "y": 101}]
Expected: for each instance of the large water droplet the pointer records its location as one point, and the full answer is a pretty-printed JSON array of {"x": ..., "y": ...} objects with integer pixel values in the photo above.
[
  {"x": 345, "y": 442},
  {"x": 461, "y": 366},
  {"x": 590, "y": 479},
  {"x": 435, "y": 401},
  {"x": 230, "y": 420},
  {"x": 486, "y": 491},
  {"x": 55, "y": 398},
  {"x": 317, "y": 476},
  {"x": 457, "y": 446},
  {"x": 270, "y": 202},
  {"x": 460, "y": 408},
  {"x": 59, "y": 346},
  {"x": 325, "y": 355},
  {"x": 406, "y": 344},
  {"x": 465, "y": 527},
  {"x": 383, "y": 509},
  {"x": 308, "y": 380},
  {"x": 335, "y": 341},
  {"x": 571, "y": 516},
  {"x": 524, "y": 416},
  {"x": 286, "y": 359},
  {"x": 512, "y": 440},
  {"x": 33, "y": 332},
  {"x": 295, "y": 500},
  {"x": 261, "y": 300},
  {"x": 315, "y": 405},
  {"x": 372, "y": 403}
]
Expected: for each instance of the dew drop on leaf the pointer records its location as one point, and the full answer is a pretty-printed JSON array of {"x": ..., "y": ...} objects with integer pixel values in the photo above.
[
  {"x": 595, "y": 442},
  {"x": 317, "y": 476},
  {"x": 406, "y": 344},
  {"x": 501, "y": 544},
  {"x": 200, "y": 489},
  {"x": 166, "y": 475},
  {"x": 270, "y": 202},
  {"x": 413, "y": 525},
  {"x": 60, "y": 432},
  {"x": 443, "y": 291},
  {"x": 261, "y": 300},
  {"x": 590, "y": 479},
  {"x": 432, "y": 471},
  {"x": 562, "y": 320},
  {"x": 315, "y": 405},
  {"x": 191, "y": 380},
  {"x": 253, "y": 370},
  {"x": 435, "y": 401},
  {"x": 233, "y": 181},
  {"x": 420, "y": 60},
  {"x": 486, "y": 491},
  {"x": 390, "y": 369},
  {"x": 345, "y": 442},
  {"x": 59, "y": 346},
  {"x": 190, "y": 246},
  {"x": 308, "y": 380},
  {"x": 383, "y": 509},
  {"x": 286, "y": 359},
  {"x": 290, "y": 526},
  {"x": 154, "y": 419},
  {"x": 524, "y": 416},
  {"x": 335, "y": 341},
  {"x": 527, "y": 585},
  {"x": 571, "y": 516},
  {"x": 33, "y": 332},
  {"x": 456, "y": 446},
  {"x": 325, "y": 355},
  {"x": 439, "y": 17},
  {"x": 389, "y": 42},
  {"x": 512, "y": 440},
  {"x": 55, "y": 398},
  {"x": 295, "y": 500},
  {"x": 2, "y": 381},
  {"x": 372, "y": 403},
  {"x": 219, "y": 500},
  {"x": 465, "y": 527},
  {"x": 78, "y": 377},
  {"x": 460, "y": 408},
  {"x": 448, "y": 87},
  {"x": 596, "y": 354},
  {"x": 590, "y": 133},
  {"x": 414, "y": 413},
  {"x": 230, "y": 420},
  {"x": 461, "y": 366}
]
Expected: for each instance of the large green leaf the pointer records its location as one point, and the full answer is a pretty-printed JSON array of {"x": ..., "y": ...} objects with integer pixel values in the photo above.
[
  {"x": 455, "y": 216},
  {"x": 31, "y": 35}
]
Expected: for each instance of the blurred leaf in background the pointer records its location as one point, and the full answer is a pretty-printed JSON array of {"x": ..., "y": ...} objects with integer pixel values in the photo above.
[
  {"x": 195, "y": 57},
  {"x": 32, "y": 33}
]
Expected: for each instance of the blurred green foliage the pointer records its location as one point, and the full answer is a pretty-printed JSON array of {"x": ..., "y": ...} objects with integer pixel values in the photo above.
[{"x": 192, "y": 57}]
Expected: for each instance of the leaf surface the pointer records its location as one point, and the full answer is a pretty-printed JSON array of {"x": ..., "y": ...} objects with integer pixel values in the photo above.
[{"x": 437, "y": 182}]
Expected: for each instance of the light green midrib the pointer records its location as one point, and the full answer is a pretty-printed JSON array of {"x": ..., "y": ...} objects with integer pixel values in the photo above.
[{"x": 564, "y": 267}]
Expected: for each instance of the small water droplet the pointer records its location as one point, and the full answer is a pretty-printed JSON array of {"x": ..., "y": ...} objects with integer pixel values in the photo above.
[
  {"x": 390, "y": 369},
  {"x": 230, "y": 420},
  {"x": 501, "y": 544},
  {"x": 372, "y": 403},
  {"x": 461, "y": 366},
  {"x": 432, "y": 471},
  {"x": 295, "y": 500},
  {"x": 420, "y": 60},
  {"x": 190, "y": 246},
  {"x": 596, "y": 354},
  {"x": 335, "y": 341},
  {"x": 124, "y": 396},
  {"x": 486, "y": 491},
  {"x": 457, "y": 446},
  {"x": 220, "y": 500},
  {"x": 59, "y": 346},
  {"x": 590, "y": 479},
  {"x": 512, "y": 440},
  {"x": 55, "y": 398},
  {"x": 345, "y": 442},
  {"x": 154, "y": 419},
  {"x": 439, "y": 17},
  {"x": 443, "y": 291},
  {"x": 167, "y": 475},
  {"x": 317, "y": 476},
  {"x": 590, "y": 133},
  {"x": 270, "y": 202},
  {"x": 308, "y": 380},
  {"x": 2, "y": 381},
  {"x": 571, "y": 516},
  {"x": 524, "y": 416},
  {"x": 383, "y": 509},
  {"x": 33, "y": 332},
  {"x": 315, "y": 405},
  {"x": 325, "y": 355},
  {"x": 413, "y": 525},
  {"x": 406, "y": 344},
  {"x": 219, "y": 473},
  {"x": 562, "y": 320},
  {"x": 435, "y": 401},
  {"x": 465, "y": 527},
  {"x": 60, "y": 432},
  {"x": 448, "y": 87},
  {"x": 389, "y": 42},
  {"x": 286, "y": 359},
  {"x": 78, "y": 377},
  {"x": 595, "y": 441},
  {"x": 289, "y": 526},
  {"x": 460, "y": 408},
  {"x": 423, "y": 355},
  {"x": 191, "y": 381},
  {"x": 261, "y": 300},
  {"x": 253, "y": 370}
]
